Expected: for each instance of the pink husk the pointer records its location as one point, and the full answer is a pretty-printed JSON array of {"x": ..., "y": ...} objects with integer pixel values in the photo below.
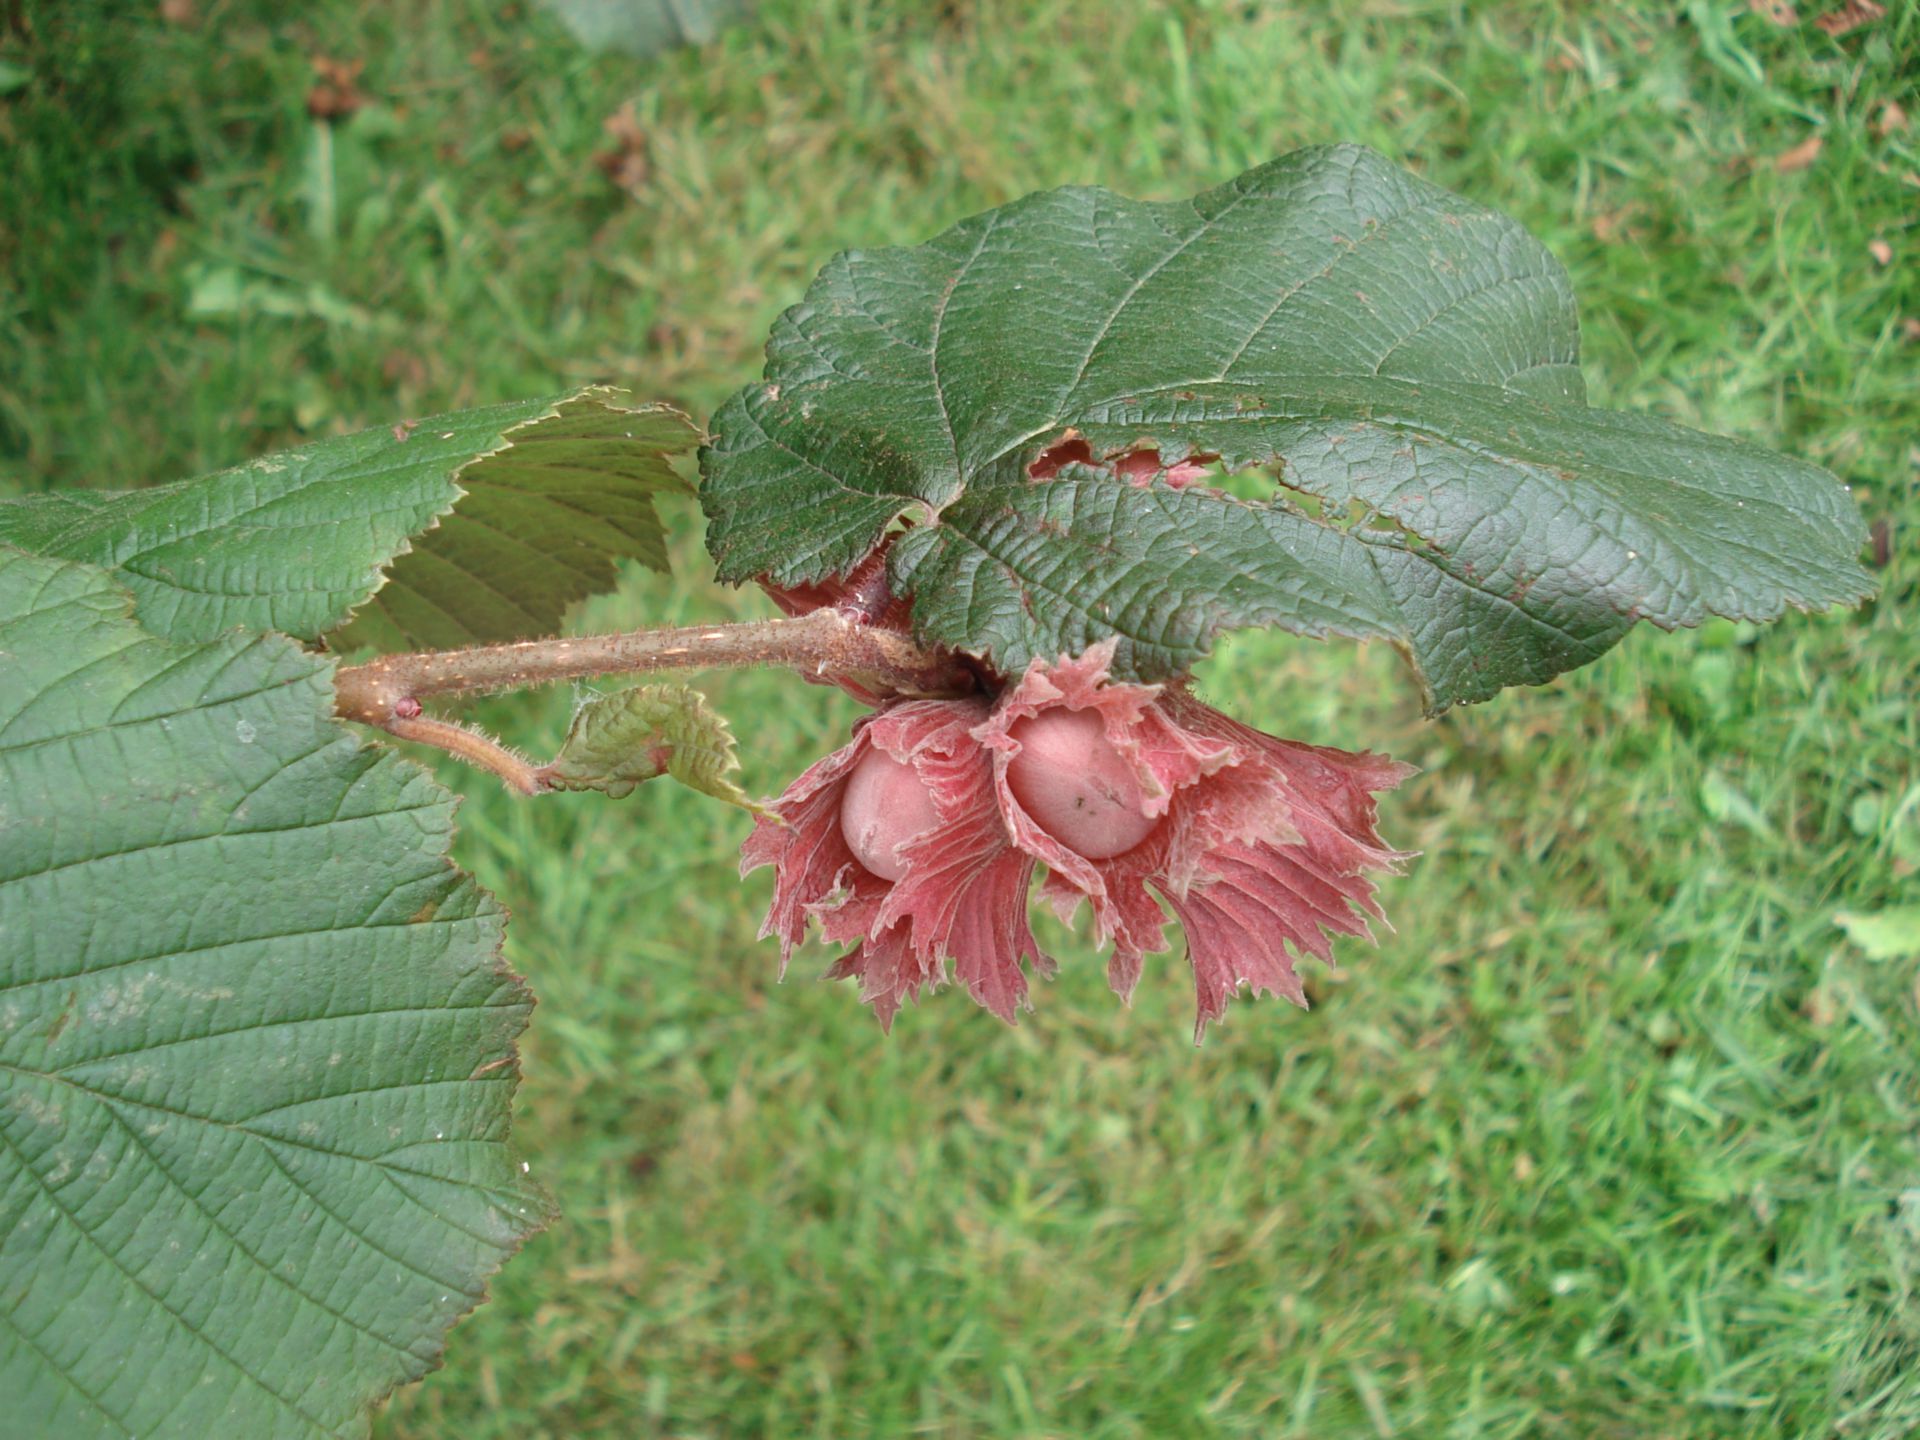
[
  {"x": 963, "y": 895},
  {"x": 1262, "y": 850},
  {"x": 1265, "y": 841}
]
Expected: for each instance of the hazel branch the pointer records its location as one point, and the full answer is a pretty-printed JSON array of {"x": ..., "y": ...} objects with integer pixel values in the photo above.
[{"x": 823, "y": 644}]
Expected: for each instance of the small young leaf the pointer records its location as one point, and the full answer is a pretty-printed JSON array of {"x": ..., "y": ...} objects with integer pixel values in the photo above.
[
  {"x": 1038, "y": 389},
  {"x": 618, "y": 741},
  {"x": 257, "y": 1056},
  {"x": 534, "y": 502}
]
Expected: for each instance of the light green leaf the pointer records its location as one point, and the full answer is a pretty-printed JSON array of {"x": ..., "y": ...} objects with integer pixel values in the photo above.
[
  {"x": 256, "y": 1039},
  {"x": 226, "y": 292},
  {"x": 549, "y": 494},
  {"x": 1401, "y": 363},
  {"x": 1724, "y": 801},
  {"x": 1890, "y": 934},
  {"x": 618, "y": 741},
  {"x": 540, "y": 525},
  {"x": 643, "y": 28}
]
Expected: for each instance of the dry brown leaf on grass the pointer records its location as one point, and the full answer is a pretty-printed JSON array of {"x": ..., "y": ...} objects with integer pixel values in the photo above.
[
  {"x": 1892, "y": 120},
  {"x": 1610, "y": 226},
  {"x": 1788, "y": 162},
  {"x": 1850, "y": 17},
  {"x": 1881, "y": 251},
  {"x": 336, "y": 94},
  {"x": 626, "y": 164}
]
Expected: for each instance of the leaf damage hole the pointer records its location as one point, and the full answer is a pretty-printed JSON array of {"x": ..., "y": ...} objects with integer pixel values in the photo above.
[
  {"x": 1139, "y": 464},
  {"x": 1070, "y": 449},
  {"x": 1354, "y": 517}
]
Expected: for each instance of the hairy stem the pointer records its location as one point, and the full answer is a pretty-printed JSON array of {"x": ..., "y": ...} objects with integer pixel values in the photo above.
[
  {"x": 475, "y": 747},
  {"x": 824, "y": 644}
]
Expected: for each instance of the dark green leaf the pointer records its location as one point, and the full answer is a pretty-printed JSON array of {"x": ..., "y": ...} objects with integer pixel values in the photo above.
[
  {"x": 256, "y": 1038},
  {"x": 1402, "y": 362},
  {"x": 618, "y": 741},
  {"x": 295, "y": 541}
]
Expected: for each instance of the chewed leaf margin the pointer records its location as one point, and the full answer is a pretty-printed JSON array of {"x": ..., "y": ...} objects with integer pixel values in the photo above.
[{"x": 1476, "y": 594}]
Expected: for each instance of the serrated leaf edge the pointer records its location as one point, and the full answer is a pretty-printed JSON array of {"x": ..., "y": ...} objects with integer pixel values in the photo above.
[
  {"x": 548, "y": 1206},
  {"x": 602, "y": 394}
]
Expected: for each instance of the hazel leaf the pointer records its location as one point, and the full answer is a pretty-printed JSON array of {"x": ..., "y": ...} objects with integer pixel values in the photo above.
[
  {"x": 258, "y": 1045},
  {"x": 467, "y": 528},
  {"x": 1051, "y": 395}
]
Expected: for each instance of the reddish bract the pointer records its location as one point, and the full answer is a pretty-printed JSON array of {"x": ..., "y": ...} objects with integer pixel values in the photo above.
[
  {"x": 862, "y": 595},
  {"x": 962, "y": 894},
  {"x": 1131, "y": 795}
]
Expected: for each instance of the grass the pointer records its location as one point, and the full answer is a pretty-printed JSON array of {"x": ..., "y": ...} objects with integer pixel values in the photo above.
[{"x": 1615, "y": 1136}]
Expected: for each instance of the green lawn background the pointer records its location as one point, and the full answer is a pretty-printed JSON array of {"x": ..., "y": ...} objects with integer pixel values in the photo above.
[{"x": 1614, "y": 1135}]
